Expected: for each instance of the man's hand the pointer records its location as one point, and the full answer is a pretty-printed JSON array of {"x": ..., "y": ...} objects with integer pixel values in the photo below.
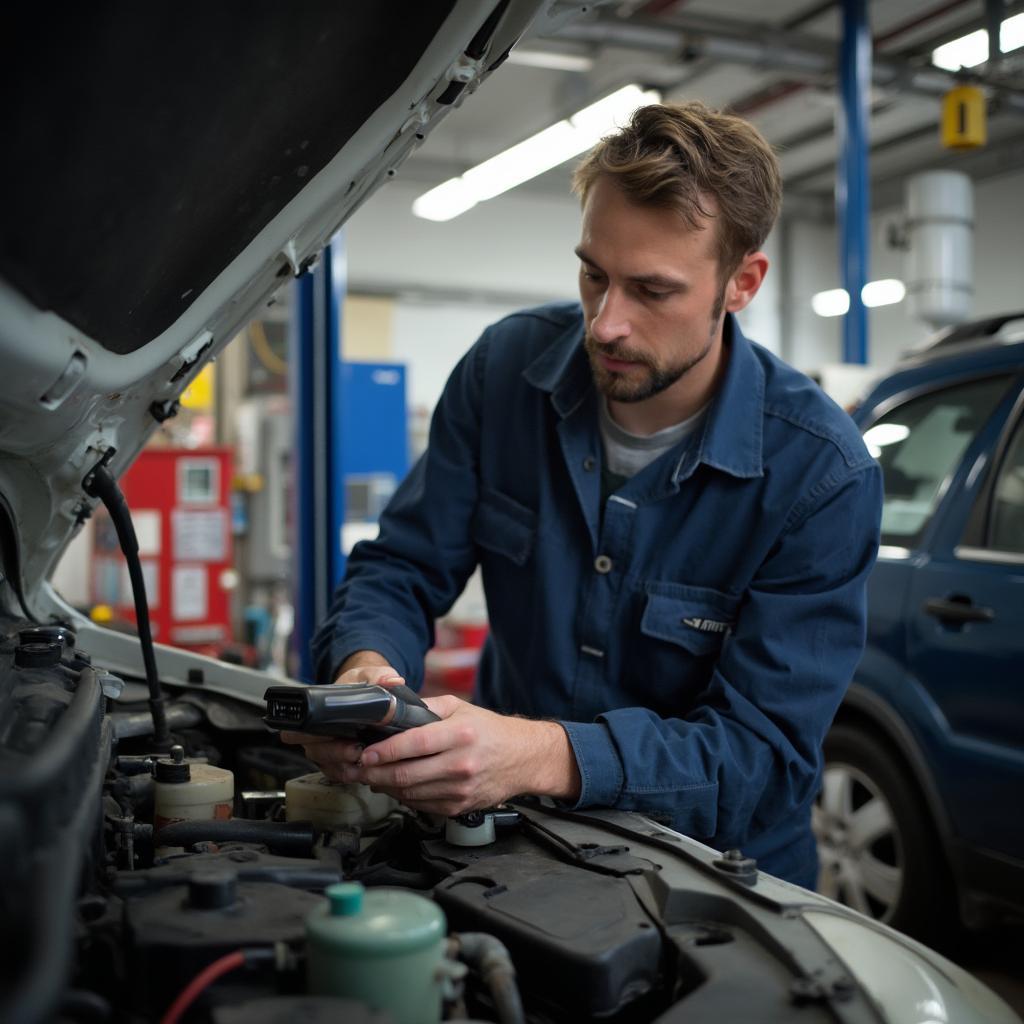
[
  {"x": 330, "y": 753},
  {"x": 470, "y": 760}
]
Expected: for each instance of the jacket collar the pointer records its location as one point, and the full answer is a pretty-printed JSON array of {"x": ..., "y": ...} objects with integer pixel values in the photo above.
[
  {"x": 732, "y": 437},
  {"x": 733, "y": 434}
]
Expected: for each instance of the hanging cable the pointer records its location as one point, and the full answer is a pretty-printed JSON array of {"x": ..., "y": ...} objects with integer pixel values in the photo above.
[{"x": 100, "y": 483}]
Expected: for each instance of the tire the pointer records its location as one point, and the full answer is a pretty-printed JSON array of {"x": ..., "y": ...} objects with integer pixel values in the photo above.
[{"x": 878, "y": 849}]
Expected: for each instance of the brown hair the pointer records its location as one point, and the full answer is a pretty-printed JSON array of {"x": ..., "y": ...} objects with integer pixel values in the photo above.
[{"x": 673, "y": 155}]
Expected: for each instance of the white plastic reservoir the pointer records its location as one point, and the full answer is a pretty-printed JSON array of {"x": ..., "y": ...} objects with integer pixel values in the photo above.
[{"x": 940, "y": 263}]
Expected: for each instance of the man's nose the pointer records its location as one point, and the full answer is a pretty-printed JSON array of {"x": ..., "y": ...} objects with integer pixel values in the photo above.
[{"x": 610, "y": 323}]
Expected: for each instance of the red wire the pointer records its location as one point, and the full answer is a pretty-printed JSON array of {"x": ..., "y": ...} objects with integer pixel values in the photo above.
[{"x": 203, "y": 980}]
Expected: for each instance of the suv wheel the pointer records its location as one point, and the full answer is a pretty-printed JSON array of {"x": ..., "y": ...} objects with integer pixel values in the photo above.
[{"x": 877, "y": 847}]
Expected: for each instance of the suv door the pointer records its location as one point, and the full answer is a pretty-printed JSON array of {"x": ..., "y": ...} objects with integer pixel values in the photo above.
[{"x": 965, "y": 623}]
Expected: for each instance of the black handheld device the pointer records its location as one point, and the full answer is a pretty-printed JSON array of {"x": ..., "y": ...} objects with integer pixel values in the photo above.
[{"x": 363, "y": 711}]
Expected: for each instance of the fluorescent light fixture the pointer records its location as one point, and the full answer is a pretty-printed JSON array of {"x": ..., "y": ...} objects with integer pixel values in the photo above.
[
  {"x": 835, "y": 302},
  {"x": 533, "y": 156},
  {"x": 971, "y": 50},
  {"x": 550, "y": 60},
  {"x": 883, "y": 293}
]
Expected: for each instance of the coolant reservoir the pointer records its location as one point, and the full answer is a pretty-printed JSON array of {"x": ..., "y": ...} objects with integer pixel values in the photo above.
[
  {"x": 190, "y": 792},
  {"x": 384, "y": 947},
  {"x": 331, "y": 805}
]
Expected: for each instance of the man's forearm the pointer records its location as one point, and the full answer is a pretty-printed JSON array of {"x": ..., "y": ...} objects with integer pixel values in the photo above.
[{"x": 554, "y": 770}]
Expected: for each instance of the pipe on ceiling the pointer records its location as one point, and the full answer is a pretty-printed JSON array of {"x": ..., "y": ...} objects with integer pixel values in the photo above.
[{"x": 761, "y": 47}]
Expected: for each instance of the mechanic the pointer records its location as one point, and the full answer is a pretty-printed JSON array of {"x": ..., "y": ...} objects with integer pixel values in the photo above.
[{"x": 674, "y": 528}]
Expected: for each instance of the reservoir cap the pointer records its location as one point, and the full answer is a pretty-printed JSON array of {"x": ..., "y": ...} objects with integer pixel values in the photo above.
[{"x": 346, "y": 898}]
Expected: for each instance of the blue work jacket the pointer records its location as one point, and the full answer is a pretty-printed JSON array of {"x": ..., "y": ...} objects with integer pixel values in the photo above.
[{"x": 695, "y": 636}]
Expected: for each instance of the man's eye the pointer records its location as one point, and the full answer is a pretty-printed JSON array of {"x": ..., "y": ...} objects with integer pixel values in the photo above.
[
  {"x": 590, "y": 275},
  {"x": 649, "y": 293}
]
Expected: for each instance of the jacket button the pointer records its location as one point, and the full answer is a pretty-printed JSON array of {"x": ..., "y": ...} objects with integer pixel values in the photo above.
[
  {"x": 589, "y": 463},
  {"x": 603, "y": 564}
]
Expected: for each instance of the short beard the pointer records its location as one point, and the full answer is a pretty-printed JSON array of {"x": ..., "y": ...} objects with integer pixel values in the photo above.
[{"x": 619, "y": 388}]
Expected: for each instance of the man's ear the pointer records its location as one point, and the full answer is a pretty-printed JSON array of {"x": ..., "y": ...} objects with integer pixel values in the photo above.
[{"x": 745, "y": 281}]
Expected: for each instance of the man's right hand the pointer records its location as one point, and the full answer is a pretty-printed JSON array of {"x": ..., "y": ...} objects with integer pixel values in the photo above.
[{"x": 330, "y": 753}]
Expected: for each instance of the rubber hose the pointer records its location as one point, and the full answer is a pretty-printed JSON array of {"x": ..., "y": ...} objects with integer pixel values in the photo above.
[
  {"x": 287, "y": 838},
  {"x": 490, "y": 957}
]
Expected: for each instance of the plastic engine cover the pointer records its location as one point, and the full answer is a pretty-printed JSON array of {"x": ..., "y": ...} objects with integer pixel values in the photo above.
[{"x": 580, "y": 941}]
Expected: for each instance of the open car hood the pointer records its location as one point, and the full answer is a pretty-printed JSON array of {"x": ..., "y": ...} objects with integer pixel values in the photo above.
[{"x": 166, "y": 170}]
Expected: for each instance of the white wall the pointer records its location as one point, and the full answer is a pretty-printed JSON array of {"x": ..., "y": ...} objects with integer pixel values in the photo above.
[{"x": 518, "y": 244}]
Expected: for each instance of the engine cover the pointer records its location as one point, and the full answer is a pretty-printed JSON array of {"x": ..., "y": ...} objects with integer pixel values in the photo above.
[{"x": 580, "y": 940}]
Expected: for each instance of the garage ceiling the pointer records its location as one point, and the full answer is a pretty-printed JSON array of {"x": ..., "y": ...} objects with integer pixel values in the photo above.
[{"x": 778, "y": 69}]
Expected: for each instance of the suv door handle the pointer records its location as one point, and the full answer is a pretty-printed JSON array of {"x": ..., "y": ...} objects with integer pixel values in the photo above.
[{"x": 957, "y": 610}]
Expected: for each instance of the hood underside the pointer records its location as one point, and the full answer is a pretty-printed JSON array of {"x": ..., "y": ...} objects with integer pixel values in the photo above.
[
  {"x": 159, "y": 142},
  {"x": 167, "y": 168}
]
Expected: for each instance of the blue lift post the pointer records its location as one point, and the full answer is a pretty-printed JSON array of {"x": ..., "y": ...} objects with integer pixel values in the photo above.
[
  {"x": 318, "y": 498},
  {"x": 852, "y": 182}
]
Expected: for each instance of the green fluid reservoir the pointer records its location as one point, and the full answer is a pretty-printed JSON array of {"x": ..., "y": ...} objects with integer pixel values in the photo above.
[{"x": 384, "y": 947}]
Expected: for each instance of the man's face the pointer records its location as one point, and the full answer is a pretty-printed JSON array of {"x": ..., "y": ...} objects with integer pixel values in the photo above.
[{"x": 651, "y": 294}]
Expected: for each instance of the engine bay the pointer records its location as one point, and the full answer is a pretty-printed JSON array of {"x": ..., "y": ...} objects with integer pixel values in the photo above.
[{"x": 114, "y": 900}]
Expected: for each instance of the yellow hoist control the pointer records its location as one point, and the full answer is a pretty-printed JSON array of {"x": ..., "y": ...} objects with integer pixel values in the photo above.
[{"x": 963, "y": 118}]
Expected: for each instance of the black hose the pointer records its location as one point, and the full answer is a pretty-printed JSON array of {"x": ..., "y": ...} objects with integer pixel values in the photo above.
[
  {"x": 288, "y": 838},
  {"x": 178, "y": 716},
  {"x": 80, "y": 1005},
  {"x": 491, "y": 959},
  {"x": 100, "y": 483}
]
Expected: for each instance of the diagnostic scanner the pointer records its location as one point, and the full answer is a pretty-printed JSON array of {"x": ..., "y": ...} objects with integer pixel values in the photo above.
[{"x": 363, "y": 711}]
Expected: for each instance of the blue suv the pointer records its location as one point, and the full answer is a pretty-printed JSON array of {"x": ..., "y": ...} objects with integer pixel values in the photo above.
[{"x": 921, "y": 810}]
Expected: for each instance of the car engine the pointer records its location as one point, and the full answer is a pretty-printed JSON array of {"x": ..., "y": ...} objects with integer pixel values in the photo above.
[{"x": 127, "y": 872}]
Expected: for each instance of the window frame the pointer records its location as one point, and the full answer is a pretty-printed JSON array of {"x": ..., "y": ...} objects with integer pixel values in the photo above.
[{"x": 975, "y": 544}]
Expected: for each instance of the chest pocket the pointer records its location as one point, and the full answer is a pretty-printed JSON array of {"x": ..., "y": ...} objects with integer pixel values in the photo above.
[
  {"x": 502, "y": 525},
  {"x": 697, "y": 619}
]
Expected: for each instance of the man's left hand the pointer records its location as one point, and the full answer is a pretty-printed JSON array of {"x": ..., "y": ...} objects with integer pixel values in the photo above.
[{"x": 471, "y": 759}]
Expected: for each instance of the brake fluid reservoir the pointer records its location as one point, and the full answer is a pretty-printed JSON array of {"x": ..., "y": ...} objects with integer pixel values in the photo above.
[
  {"x": 190, "y": 792},
  {"x": 331, "y": 805},
  {"x": 384, "y": 947}
]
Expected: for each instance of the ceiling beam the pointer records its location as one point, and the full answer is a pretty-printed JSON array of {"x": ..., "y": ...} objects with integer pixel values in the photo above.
[{"x": 690, "y": 36}]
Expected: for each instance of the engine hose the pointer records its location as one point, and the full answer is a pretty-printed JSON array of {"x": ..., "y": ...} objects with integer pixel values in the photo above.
[
  {"x": 99, "y": 483},
  {"x": 287, "y": 838},
  {"x": 491, "y": 959}
]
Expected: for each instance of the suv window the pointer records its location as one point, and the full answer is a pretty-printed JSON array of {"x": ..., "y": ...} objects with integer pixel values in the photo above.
[
  {"x": 919, "y": 444},
  {"x": 1006, "y": 525}
]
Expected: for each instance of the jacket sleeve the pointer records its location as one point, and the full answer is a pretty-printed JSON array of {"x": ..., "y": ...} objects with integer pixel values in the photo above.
[
  {"x": 749, "y": 754},
  {"x": 397, "y": 585}
]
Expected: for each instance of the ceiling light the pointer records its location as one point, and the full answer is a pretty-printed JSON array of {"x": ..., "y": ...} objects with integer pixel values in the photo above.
[
  {"x": 971, "y": 50},
  {"x": 549, "y": 60},
  {"x": 883, "y": 293},
  {"x": 535, "y": 155},
  {"x": 836, "y": 302}
]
